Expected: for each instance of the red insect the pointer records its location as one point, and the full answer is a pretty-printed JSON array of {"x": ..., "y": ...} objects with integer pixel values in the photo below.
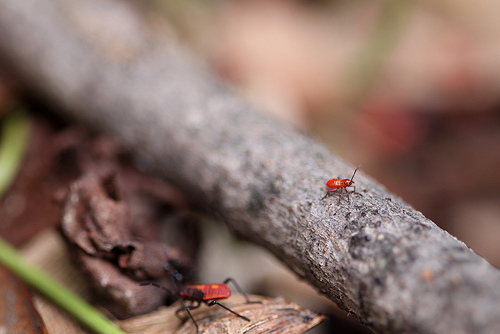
[
  {"x": 204, "y": 293},
  {"x": 335, "y": 184}
]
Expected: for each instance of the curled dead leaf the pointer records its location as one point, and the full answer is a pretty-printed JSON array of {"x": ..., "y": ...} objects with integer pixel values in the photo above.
[{"x": 117, "y": 221}]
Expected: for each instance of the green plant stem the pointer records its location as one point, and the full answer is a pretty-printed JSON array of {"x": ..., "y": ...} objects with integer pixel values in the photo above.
[
  {"x": 13, "y": 144},
  {"x": 60, "y": 295}
]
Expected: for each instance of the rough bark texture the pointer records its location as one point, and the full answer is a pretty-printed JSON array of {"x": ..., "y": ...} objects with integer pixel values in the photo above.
[{"x": 377, "y": 257}]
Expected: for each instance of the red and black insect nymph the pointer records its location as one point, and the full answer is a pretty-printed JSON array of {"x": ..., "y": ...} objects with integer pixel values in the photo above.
[{"x": 208, "y": 294}]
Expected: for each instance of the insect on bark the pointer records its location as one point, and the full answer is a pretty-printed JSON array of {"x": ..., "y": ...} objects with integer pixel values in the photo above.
[
  {"x": 341, "y": 184},
  {"x": 209, "y": 294}
]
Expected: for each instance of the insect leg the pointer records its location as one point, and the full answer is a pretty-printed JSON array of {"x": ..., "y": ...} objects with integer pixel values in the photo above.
[
  {"x": 230, "y": 279},
  {"x": 329, "y": 191},
  {"x": 188, "y": 308},
  {"x": 340, "y": 195},
  {"x": 348, "y": 196},
  {"x": 214, "y": 302}
]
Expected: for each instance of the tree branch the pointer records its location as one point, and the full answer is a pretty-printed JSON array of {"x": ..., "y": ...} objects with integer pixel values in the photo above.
[{"x": 377, "y": 257}]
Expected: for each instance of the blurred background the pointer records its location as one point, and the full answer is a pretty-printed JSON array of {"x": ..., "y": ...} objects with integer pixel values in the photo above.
[{"x": 408, "y": 89}]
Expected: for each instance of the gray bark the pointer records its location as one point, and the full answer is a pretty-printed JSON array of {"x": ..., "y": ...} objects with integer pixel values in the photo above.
[{"x": 376, "y": 257}]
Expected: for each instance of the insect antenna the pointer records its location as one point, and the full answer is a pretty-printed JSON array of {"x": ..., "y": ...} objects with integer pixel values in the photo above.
[
  {"x": 159, "y": 287},
  {"x": 355, "y": 172},
  {"x": 174, "y": 274}
]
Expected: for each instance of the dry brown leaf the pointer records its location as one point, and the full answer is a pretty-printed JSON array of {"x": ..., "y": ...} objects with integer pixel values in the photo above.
[
  {"x": 56, "y": 319},
  {"x": 111, "y": 222},
  {"x": 16, "y": 308},
  {"x": 272, "y": 316}
]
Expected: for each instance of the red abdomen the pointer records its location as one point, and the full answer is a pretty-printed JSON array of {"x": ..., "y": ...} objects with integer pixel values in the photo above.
[
  {"x": 335, "y": 183},
  {"x": 205, "y": 291}
]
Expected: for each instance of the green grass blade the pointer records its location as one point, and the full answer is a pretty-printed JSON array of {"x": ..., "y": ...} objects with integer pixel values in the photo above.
[
  {"x": 13, "y": 144},
  {"x": 60, "y": 295}
]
